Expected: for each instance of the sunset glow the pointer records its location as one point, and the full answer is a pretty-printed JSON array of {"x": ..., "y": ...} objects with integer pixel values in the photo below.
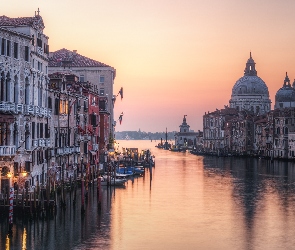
[{"x": 172, "y": 58}]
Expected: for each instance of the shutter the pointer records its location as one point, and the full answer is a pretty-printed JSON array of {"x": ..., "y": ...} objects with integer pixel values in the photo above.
[
  {"x": 15, "y": 168},
  {"x": 38, "y": 130},
  {"x": 46, "y": 131},
  {"x": 49, "y": 102},
  {"x": 41, "y": 130},
  {"x": 33, "y": 130},
  {"x": 85, "y": 147},
  {"x": 27, "y": 166}
]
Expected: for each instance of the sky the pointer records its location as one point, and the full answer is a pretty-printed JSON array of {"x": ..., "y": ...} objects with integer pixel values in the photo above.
[{"x": 172, "y": 57}]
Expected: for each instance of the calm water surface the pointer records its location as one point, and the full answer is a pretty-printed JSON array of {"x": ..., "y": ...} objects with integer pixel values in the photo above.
[{"x": 186, "y": 202}]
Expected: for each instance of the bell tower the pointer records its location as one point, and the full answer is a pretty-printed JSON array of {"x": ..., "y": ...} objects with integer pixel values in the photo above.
[{"x": 250, "y": 67}]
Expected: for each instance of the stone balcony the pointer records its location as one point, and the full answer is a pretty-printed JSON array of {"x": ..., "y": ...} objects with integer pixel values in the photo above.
[{"x": 7, "y": 150}]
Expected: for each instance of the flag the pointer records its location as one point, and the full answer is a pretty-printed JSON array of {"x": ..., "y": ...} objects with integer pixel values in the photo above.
[
  {"x": 121, "y": 93},
  {"x": 120, "y": 118}
]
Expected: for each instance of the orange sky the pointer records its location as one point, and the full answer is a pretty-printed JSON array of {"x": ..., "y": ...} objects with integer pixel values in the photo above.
[{"x": 173, "y": 57}]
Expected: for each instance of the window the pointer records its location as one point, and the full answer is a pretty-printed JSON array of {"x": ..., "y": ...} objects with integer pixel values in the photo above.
[
  {"x": 101, "y": 79},
  {"x": 3, "y": 45},
  {"x": 26, "y": 53},
  {"x": 39, "y": 42},
  {"x": 82, "y": 78},
  {"x": 15, "y": 50},
  {"x": 101, "y": 91},
  {"x": 8, "y": 48}
]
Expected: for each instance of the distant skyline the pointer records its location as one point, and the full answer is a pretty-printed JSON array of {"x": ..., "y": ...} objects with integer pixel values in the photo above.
[{"x": 175, "y": 57}]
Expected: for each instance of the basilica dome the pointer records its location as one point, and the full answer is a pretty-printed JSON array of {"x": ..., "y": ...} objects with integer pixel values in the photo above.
[
  {"x": 250, "y": 92},
  {"x": 250, "y": 85}
]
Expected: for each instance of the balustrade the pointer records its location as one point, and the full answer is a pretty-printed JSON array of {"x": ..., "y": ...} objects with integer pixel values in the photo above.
[{"x": 7, "y": 150}]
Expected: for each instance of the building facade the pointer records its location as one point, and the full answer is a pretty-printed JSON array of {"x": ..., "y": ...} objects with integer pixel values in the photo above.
[
  {"x": 24, "y": 80},
  {"x": 100, "y": 75}
]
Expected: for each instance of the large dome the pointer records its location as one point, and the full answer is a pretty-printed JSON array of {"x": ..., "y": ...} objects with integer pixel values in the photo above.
[
  {"x": 250, "y": 85},
  {"x": 250, "y": 91}
]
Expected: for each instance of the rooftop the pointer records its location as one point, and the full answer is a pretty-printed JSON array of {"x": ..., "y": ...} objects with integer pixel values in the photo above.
[
  {"x": 34, "y": 22},
  {"x": 64, "y": 58}
]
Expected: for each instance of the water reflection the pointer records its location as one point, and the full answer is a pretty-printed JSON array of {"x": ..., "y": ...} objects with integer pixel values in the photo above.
[{"x": 186, "y": 201}]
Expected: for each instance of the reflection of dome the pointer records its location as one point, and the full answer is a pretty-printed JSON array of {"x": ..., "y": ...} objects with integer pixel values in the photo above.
[
  {"x": 285, "y": 95},
  {"x": 250, "y": 91},
  {"x": 250, "y": 85}
]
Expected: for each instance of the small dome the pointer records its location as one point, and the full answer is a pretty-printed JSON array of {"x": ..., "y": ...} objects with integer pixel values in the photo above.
[{"x": 285, "y": 94}]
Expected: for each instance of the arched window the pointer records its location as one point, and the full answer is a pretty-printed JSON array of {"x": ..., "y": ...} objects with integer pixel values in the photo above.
[{"x": 278, "y": 130}]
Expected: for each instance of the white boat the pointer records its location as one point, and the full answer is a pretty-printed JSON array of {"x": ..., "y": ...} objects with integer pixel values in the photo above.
[{"x": 112, "y": 181}]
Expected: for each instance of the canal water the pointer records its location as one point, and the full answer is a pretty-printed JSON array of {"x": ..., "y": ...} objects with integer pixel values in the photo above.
[{"x": 186, "y": 202}]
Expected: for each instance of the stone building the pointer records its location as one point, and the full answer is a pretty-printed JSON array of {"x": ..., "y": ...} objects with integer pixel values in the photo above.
[
  {"x": 250, "y": 92},
  {"x": 99, "y": 74},
  {"x": 185, "y": 137},
  {"x": 214, "y": 126},
  {"x": 24, "y": 114},
  {"x": 283, "y": 124}
]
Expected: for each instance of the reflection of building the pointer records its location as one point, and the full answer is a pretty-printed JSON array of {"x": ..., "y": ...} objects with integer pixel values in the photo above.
[
  {"x": 186, "y": 137},
  {"x": 24, "y": 115},
  {"x": 250, "y": 92}
]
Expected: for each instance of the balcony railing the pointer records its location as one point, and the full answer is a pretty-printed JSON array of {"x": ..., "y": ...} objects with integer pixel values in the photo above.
[
  {"x": 87, "y": 137},
  {"x": 7, "y": 150},
  {"x": 95, "y": 147},
  {"x": 29, "y": 109},
  {"x": 35, "y": 143},
  {"x": 41, "y": 142},
  {"x": 77, "y": 149},
  {"x": 47, "y": 142}
]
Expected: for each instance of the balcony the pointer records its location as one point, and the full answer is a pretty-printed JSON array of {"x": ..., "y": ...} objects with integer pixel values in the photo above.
[
  {"x": 7, "y": 150},
  {"x": 41, "y": 142},
  {"x": 77, "y": 149},
  {"x": 19, "y": 108},
  {"x": 60, "y": 151},
  {"x": 87, "y": 137},
  {"x": 47, "y": 142},
  {"x": 95, "y": 147},
  {"x": 29, "y": 109},
  {"x": 35, "y": 143}
]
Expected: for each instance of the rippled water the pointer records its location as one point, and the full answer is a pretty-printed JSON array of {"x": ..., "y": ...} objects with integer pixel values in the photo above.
[{"x": 191, "y": 202}]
